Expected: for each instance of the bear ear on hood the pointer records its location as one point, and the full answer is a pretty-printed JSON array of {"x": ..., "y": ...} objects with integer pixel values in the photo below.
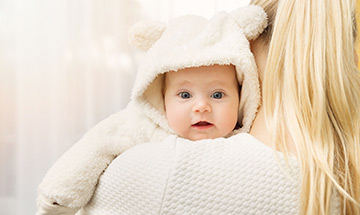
[
  {"x": 145, "y": 33},
  {"x": 252, "y": 19}
]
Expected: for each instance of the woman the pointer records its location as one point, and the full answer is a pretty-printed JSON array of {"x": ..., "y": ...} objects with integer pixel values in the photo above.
[
  {"x": 311, "y": 95},
  {"x": 311, "y": 92}
]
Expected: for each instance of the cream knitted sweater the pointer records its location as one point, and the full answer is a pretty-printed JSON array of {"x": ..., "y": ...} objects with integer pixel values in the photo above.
[{"x": 238, "y": 175}]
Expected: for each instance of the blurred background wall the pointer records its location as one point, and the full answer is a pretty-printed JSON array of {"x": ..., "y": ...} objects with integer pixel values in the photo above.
[{"x": 64, "y": 66}]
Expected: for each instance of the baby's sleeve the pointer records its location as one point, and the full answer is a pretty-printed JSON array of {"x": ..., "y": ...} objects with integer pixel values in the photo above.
[{"x": 71, "y": 181}]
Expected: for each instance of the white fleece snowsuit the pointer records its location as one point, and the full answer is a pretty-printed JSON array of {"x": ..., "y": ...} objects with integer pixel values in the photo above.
[{"x": 187, "y": 41}]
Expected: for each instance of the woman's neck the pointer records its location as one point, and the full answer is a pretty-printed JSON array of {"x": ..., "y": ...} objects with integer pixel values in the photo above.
[{"x": 259, "y": 129}]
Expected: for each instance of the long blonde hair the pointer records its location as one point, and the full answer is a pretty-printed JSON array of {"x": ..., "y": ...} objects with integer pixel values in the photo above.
[{"x": 311, "y": 94}]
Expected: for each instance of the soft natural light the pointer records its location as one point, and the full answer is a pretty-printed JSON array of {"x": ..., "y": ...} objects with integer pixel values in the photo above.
[
  {"x": 164, "y": 9},
  {"x": 64, "y": 66}
]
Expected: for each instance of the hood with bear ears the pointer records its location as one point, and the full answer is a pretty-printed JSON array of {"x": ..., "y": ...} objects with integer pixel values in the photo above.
[{"x": 192, "y": 41}]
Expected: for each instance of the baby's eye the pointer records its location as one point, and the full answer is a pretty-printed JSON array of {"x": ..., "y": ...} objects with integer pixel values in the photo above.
[
  {"x": 185, "y": 95},
  {"x": 217, "y": 95}
]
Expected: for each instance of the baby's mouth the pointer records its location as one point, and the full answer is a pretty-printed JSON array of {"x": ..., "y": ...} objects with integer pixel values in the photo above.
[{"x": 202, "y": 125}]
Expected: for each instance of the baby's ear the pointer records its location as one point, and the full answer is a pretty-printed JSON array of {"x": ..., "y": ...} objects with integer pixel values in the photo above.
[
  {"x": 145, "y": 33},
  {"x": 252, "y": 19}
]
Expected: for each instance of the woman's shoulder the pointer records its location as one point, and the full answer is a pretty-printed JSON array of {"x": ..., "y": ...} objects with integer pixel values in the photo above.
[{"x": 238, "y": 174}]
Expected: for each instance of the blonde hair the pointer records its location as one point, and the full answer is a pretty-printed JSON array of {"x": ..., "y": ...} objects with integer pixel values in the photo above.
[{"x": 311, "y": 96}]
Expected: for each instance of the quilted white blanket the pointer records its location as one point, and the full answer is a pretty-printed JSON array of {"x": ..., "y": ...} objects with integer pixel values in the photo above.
[{"x": 238, "y": 175}]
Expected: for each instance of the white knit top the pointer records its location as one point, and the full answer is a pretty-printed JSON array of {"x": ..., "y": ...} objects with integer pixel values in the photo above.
[{"x": 238, "y": 175}]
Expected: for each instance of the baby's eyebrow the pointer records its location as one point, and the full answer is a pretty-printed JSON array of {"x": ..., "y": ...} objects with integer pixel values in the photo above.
[
  {"x": 182, "y": 82},
  {"x": 218, "y": 82}
]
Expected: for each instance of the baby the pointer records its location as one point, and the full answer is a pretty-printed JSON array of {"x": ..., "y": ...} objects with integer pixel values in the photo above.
[
  {"x": 202, "y": 102},
  {"x": 187, "y": 84}
]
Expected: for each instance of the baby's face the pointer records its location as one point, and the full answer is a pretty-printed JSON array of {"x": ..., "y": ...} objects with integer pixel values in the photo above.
[{"x": 202, "y": 102}]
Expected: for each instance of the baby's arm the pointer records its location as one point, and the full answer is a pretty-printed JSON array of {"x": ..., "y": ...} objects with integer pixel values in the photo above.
[{"x": 71, "y": 181}]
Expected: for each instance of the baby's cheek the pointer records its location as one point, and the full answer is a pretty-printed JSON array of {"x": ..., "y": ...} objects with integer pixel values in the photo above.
[
  {"x": 175, "y": 119},
  {"x": 230, "y": 118}
]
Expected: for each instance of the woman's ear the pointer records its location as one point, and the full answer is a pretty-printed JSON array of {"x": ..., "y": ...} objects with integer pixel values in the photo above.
[
  {"x": 145, "y": 33},
  {"x": 252, "y": 19}
]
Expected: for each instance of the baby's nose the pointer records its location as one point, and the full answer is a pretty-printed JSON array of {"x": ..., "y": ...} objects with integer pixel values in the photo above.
[{"x": 202, "y": 105}]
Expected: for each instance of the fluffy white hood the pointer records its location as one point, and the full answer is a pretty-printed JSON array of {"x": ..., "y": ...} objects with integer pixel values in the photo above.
[{"x": 192, "y": 41}]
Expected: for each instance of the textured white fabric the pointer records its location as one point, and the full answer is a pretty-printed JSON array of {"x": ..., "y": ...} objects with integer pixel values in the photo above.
[{"x": 238, "y": 175}]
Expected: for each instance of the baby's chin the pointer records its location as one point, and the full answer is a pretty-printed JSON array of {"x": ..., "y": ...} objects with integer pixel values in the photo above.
[
  {"x": 201, "y": 137},
  {"x": 203, "y": 134}
]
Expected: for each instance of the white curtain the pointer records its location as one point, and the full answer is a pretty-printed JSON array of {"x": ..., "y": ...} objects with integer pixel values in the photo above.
[{"x": 64, "y": 66}]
